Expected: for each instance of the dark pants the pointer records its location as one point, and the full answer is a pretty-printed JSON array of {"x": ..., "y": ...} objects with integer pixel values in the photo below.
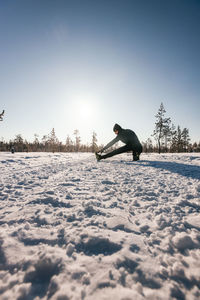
[{"x": 126, "y": 148}]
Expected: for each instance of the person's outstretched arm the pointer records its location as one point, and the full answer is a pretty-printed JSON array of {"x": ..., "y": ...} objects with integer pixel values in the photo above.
[{"x": 115, "y": 140}]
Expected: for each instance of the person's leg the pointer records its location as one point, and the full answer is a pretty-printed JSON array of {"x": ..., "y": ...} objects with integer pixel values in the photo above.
[
  {"x": 136, "y": 153},
  {"x": 136, "y": 156},
  {"x": 117, "y": 151}
]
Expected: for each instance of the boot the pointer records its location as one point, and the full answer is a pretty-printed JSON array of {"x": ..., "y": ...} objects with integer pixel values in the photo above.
[
  {"x": 136, "y": 156},
  {"x": 98, "y": 156}
]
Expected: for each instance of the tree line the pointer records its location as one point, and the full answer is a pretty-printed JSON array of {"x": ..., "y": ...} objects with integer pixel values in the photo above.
[
  {"x": 168, "y": 137},
  {"x": 49, "y": 143}
]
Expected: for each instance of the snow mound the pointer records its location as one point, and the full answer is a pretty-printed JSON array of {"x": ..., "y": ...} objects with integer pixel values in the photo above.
[{"x": 182, "y": 241}]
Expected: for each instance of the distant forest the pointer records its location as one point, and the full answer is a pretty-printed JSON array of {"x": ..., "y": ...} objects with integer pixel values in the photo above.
[
  {"x": 168, "y": 137},
  {"x": 50, "y": 143}
]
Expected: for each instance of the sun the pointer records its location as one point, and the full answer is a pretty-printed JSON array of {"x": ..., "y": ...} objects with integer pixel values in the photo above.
[{"x": 85, "y": 110}]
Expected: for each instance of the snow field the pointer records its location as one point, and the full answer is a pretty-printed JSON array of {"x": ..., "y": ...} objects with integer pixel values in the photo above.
[{"x": 72, "y": 228}]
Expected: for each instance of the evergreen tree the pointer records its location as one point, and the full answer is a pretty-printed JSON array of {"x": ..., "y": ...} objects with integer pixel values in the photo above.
[
  {"x": 36, "y": 143},
  {"x": 45, "y": 142},
  {"x": 53, "y": 141},
  {"x": 186, "y": 139},
  {"x": 179, "y": 144},
  {"x": 2, "y": 144},
  {"x": 77, "y": 140},
  {"x": 173, "y": 138},
  {"x": 27, "y": 146},
  {"x": 19, "y": 143},
  {"x": 149, "y": 145},
  {"x": 162, "y": 126},
  {"x": 167, "y": 135},
  {"x": 69, "y": 144},
  {"x": 94, "y": 142},
  {"x": 194, "y": 147},
  {"x": 198, "y": 147}
]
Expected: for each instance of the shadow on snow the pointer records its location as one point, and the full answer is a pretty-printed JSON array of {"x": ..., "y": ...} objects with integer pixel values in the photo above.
[{"x": 173, "y": 167}]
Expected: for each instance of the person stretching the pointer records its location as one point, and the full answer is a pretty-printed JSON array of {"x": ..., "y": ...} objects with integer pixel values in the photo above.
[{"x": 128, "y": 137}]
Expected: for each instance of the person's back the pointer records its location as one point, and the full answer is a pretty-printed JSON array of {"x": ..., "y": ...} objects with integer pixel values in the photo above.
[{"x": 128, "y": 136}]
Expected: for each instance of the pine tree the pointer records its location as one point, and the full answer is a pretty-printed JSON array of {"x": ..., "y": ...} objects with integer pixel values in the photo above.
[
  {"x": 36, "y": 142},
  {"x": 173, "y": 138},
  {"x": 77, "y": 140},
  {"x": 162, "y": 126},
  {"x": 167, "y": 134},
  {"x": 45, "y": 142},
  {"x": 179, "y": 140},
  {"x": 94, "y": 142},
  {"x": 194, "y": 146},
  {"x": 69, "y": 144},
  {"x": 19, "y": 143},
  {"x": 198, "y": 147},
  {"x": 53, "y": 141},
  {"x": 186, "y": 139},
  {"x": 149, "y": 145}
]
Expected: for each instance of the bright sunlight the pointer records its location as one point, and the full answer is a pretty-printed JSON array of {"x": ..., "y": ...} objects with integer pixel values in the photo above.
[
  {"x": 83, "y": 106},
  {"x": 85, "y": 110}
]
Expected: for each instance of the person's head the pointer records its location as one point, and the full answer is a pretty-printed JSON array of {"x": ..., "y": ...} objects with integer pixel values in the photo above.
[{"x": 117, "y": 128}]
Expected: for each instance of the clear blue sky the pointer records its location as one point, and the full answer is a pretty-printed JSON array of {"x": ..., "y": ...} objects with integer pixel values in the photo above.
[{"x": 87, "y": 65}]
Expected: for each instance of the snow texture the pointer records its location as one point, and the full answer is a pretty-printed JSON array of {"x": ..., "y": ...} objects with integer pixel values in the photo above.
[{"x": 74, "y": 228}]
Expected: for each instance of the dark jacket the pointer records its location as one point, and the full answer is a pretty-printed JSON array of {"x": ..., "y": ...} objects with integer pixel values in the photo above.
[{"x": 126, "y": 136}]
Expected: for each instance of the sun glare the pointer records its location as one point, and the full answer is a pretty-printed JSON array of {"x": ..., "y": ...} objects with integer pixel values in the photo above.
[
  {"x": 85, "y": 110},
  {"x": 84, "y": 105}
]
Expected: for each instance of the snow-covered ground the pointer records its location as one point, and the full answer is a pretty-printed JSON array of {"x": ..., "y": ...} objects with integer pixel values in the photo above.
[{"x": 72, "y": 228}]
